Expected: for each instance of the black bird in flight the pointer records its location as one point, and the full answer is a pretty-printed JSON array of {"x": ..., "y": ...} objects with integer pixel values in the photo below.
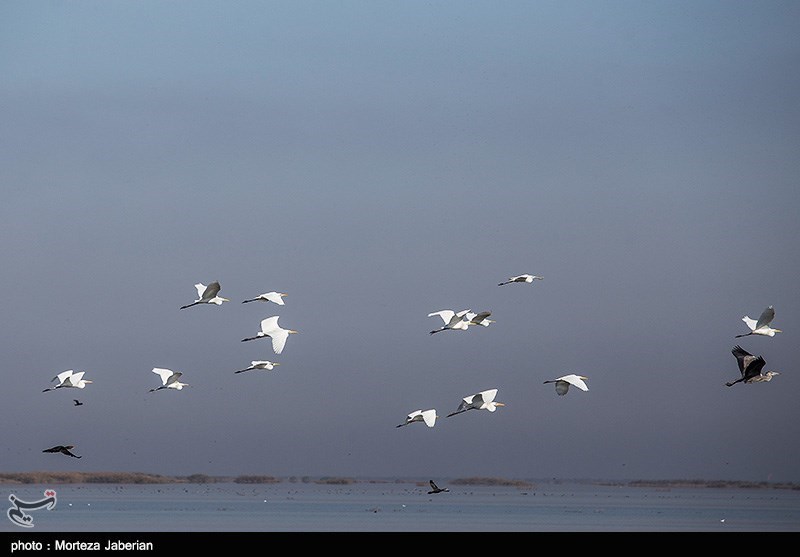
[
  {"x": 63, "y": 449},
  {"x": 750, "y": 367},
  {"x": 436, "y": 489},
  {"x": 77, "y": 402}
]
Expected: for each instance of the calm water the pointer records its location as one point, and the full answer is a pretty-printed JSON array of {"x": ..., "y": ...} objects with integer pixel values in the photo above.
[{"x": 402, "y": 507}]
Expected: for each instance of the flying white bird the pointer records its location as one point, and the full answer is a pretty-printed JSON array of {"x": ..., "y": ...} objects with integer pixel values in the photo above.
[
  {"x": 169, "y": 379},
  {"x": 481, "y": 318},
  {"x": 427, "y": 416},
  {"x": 259, "y": 364},
  {"x": 274, "y": 297},
  {"x": 521, "y": 278},
  {"x": 452, "y": 320},
  {"x": 69, "y": 379},
  {"x": 750, "y": 367},
  {"x": 270, "y": 328},
  {"x": 483, "y": 400},
  {"x": 563, "y": 383},
  {"x": 207, "y": 295},
  {"x": 763, "y": 325}
]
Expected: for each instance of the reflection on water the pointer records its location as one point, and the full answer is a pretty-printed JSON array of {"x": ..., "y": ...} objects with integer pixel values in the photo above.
[{"x": 406, "y": 507}]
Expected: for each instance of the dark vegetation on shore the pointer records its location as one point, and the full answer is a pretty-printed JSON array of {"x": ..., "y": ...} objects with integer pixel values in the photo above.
[{"x": 144, "y": 478}]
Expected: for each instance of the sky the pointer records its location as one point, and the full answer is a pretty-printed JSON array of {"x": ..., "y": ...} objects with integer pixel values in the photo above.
[{"x": 379, "y": 161}]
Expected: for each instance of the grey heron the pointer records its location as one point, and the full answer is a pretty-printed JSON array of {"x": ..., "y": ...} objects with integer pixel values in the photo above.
[{"x": 750, "y": 367}]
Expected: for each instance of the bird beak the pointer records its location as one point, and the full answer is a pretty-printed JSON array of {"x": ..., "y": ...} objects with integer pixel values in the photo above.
[
  {"x": 499, "y": 403},
  {"x": 778, "y": 331}
]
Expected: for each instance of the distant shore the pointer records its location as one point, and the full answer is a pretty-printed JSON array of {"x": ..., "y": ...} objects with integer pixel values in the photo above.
[{"x": 145, "y": 478}]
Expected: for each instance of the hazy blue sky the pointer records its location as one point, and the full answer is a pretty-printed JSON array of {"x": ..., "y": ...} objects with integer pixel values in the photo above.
[{"x": 378, "y": 161}]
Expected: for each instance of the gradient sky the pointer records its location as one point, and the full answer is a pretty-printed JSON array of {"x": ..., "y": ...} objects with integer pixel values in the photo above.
[{"x": 378, "y": 161}]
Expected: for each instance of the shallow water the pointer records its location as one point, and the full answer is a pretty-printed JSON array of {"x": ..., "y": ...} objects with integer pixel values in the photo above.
[{"x": 404, "y": 507}]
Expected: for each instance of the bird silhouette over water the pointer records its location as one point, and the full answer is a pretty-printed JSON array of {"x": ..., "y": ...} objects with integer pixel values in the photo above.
[
  {"x": 77, "y": 402},
  {"x": 750, "y": 367},
  {"x": 436, "y": 489},
  {"x": 63, "y": 449}
]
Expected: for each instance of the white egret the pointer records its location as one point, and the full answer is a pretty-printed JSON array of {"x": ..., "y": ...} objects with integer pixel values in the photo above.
[
  {"x": 436, "y": 489},
  {"x": 270, "y": 328},
  {"x": 481, "y": 318},
  {"x": 750, "y": 367},
  {"x": 274, "y": 297},
  {"x": 169, "y": 379},
  {"x": 521, "y": 278},
  {"x": 763, "y": 325},
  {"x": 69, "y": 379},
  {"x": 483, "y": 400},
  {"x": 563, "y": 383},
  {"x": 427, "y": 416},
  {"x": 63, "y": 449},
  {"x": 259, "y": 364},
  {"x": 452, "y": 320},
  {"x": 207, "y": 295}
]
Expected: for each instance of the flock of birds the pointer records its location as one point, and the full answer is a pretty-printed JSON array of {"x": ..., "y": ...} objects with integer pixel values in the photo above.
[
  {"x": 171, "y": 379},
  {"x": 751, "y": 367}
]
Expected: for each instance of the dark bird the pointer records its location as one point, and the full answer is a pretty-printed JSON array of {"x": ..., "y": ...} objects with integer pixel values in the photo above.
[
  {"x": 63, "y": 449},
  {"x": 207, "y": 295},
  {"x": 77, "y": 402},
  {"x": 436, "y": 489},
  {"x": 750, "y": 367}
]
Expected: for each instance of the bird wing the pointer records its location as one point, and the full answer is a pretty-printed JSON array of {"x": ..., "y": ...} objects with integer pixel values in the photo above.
[
  {"x": 279, "y": 337},
  {"x": 576, "y": 380},
  {"x": 210, "y": 292},
  {"x": 766, "y": 318},
  {"x": 173, "y": 378},
  {"x": 165, "y": 374},
  {"x": 445, "y": 314},
  {"x": 434, "y": 486},
  {"x": 429, "y": 416},
  {"x": 61, "y": 377},
  {"x": 481, "y": 318},
  {"x": 56, "y": 449},
  {"x": 562, "y": 387},
  {"x": 269, "y": 324},
  {"x": 751, "y": 323},
  {"x": 754, "y": 367},
  {"x": 741, "y": 355},
  {"x": 275, "y": 297},
  {"x": 76, "y": 377},
  {"x": 201, "y": 288},
  {"x": 485, "y": 396}
]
